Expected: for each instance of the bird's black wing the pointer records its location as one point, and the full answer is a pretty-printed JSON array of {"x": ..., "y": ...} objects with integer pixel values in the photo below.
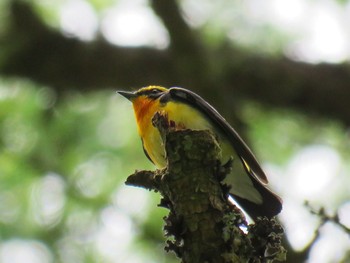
[{"x": 191, "y": 98}]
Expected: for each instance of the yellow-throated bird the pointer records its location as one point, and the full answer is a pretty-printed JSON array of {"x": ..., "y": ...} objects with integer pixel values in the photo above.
[{"x": 188, "y": 110}]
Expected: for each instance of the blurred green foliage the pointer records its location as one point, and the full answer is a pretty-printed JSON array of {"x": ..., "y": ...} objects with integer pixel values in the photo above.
[
  {"x": 62, "y": 166},
  {"x": 279, "y": 134}
]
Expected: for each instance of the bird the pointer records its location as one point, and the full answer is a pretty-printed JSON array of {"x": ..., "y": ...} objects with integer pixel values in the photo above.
[{"x": 186, "y": 109}]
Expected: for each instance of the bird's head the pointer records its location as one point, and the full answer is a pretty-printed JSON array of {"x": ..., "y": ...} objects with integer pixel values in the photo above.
[{"x": 145, "y": 101}]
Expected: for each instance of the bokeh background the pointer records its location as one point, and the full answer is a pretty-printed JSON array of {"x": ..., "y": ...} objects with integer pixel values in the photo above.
[{"x": 277, "y": 70}]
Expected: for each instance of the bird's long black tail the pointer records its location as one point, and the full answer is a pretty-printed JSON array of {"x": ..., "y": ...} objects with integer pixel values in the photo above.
[{"x": 271, "y": 205}]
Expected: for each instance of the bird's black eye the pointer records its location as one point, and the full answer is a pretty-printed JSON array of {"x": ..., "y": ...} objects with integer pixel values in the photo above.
[{"x": 155, "y": 91}]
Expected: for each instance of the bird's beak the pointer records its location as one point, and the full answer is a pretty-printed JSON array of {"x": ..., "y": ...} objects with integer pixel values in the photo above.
[{"x": 127, "y": 94}]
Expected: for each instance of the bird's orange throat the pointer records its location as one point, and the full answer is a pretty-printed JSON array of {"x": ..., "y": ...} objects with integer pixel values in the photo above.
[{"x": 145, "y": 109}]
